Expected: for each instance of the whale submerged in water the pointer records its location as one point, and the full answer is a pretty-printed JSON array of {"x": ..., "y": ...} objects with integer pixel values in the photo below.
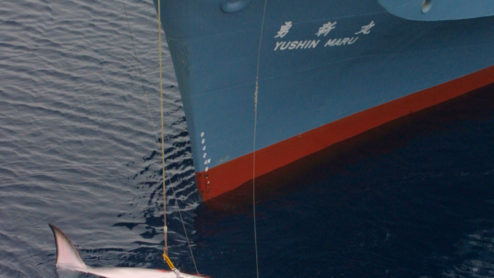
[{"x": 68, "y": 258}]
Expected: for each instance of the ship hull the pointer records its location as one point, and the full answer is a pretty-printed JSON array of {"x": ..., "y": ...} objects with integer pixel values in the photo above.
[{"x": 328, "y": 71}]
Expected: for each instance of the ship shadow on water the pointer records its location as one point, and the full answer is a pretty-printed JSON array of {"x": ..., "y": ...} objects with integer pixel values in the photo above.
[
  {"x": 475, "y": 106},
  {"x": 411, "y": 198}
]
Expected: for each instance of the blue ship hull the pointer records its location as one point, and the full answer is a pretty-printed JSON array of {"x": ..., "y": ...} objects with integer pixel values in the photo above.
[{"x": 321, "y": 62}]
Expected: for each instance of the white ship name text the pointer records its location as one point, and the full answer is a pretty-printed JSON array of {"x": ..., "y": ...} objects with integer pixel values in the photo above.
[
  {"x": 341, "y": 41},
  {"x": 291, "y": 45},
  {"x": 324, "y": 30}
]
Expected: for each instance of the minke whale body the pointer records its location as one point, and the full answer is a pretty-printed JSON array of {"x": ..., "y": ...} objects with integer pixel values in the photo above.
[{"x": 68, "y": 258}]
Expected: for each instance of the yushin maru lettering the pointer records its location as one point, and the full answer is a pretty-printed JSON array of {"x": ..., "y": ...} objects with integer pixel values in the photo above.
[
  {"x": 341, "y": 41},
  {"x": 323, "y": 31},
  {"x": 292, "y": 45},
  {"x": 284, "y": 29}
]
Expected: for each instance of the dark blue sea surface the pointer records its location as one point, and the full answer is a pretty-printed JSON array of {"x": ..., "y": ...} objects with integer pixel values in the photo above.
[{"x": 79, "y": 148}]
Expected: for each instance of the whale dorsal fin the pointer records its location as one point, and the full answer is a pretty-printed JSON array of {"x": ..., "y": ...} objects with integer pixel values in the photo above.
[{"x": 67, "y": 255}]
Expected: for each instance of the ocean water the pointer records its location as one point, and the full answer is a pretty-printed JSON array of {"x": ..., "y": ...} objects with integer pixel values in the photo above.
[{"x": 79, "y": 148}]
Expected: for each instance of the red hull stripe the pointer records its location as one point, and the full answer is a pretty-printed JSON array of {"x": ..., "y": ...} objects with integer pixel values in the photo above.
[{"x": 232, "y": 174}]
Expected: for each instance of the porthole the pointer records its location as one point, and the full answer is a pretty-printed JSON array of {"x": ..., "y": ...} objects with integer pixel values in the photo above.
[{"x": 426, "y": 6}]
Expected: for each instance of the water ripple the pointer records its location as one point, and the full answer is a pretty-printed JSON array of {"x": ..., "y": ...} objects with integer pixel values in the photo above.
[{"x": 79, "y": 145}]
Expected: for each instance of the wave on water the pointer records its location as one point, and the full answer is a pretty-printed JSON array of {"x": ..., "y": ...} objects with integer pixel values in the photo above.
[{"x": 79, "y": 121}]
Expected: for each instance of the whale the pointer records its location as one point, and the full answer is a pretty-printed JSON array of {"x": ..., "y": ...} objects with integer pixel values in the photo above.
[{"x": 69, "y": 259}]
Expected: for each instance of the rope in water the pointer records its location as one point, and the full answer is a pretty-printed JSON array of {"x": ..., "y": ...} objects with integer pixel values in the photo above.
[
  {"x": 165, "y": 227},
  {"x": 140, "y": 73},
  {"x": 256, "y": 93}
]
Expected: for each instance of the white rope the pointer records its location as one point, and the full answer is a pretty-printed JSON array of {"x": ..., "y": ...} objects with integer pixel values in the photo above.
[
  {"x": 185, "y": 233},
  {"x": 256, "y": 93}
]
